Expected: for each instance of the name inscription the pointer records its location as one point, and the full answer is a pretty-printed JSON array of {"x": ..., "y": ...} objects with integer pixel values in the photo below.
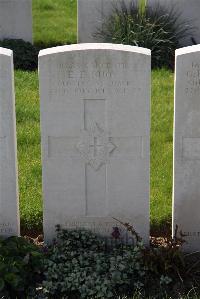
[
  {"x": 6, "y": 228},
  {"x": 193, "y": 79},
  {"x": 96, "y": 227},
  {"x": 191, "y": 234},
  {"x": 95, "y": 79}
]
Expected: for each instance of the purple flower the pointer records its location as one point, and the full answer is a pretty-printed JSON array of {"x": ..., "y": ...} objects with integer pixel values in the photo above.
[{"x": 116, "y": 233}]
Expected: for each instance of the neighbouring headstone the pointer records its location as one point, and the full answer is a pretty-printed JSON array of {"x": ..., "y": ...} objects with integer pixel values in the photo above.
[
  {"x": 9, "y": 213},
  {"x": 91, "y": 16},
  {"x": 186, "y": 194},
  {"x": 16, "y": 19},
  {"x": 95, "y": 120}
]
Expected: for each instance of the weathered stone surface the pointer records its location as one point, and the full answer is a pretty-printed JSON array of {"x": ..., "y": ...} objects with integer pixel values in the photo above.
[
  {"x": 16, "y": 19},
  {"x": 9, "y": 215},
  {"x": 186, "y": 197},
  {"x": 95, "y": 120},
  {"x": 91, "y": 16}
]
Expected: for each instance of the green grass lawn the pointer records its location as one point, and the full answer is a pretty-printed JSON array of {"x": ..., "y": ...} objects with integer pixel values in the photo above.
[
  {"x": 29, "y": 157},
  {"x": 161, "y": 149},
  {"x": 55, "y": 23}
]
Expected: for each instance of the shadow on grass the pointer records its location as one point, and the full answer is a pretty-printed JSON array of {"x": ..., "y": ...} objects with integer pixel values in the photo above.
[
  {"x": 32, "y": 227},
  {"x": 42, "y": 45},
  {"x": 26, "y": 54},
  {"x": 161, "y": 228}
]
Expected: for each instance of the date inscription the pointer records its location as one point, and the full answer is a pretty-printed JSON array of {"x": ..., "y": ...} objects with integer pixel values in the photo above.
[{"x": 96, "y": 79}]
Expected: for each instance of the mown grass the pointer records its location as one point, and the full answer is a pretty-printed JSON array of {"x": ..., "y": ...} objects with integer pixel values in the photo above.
[
  {"x": 55, "y": 23},
  {"x": 161, "y": 149},
  {"x": 29, "y": 157}
]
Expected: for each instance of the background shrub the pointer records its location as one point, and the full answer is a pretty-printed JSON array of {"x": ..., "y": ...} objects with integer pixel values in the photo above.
[
  {"x": 21, "y": 265},
  {"x": 155, "y": 28},
  {"x": 25, "y": 54}
]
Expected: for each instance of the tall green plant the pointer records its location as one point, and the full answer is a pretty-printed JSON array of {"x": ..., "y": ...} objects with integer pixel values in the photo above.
[
  {"x": 152, "y": 27},
  {"x": 142, "y": 7}
]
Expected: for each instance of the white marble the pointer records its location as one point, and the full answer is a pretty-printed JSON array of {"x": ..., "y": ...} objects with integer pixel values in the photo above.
[
  {"x": 186, "y": 193},
  {"x": 91, "y": 16},
  {"x": 9, "y": 206},
  {"x": 95, "y": 121},
  {"x": 16, "y": 19}
]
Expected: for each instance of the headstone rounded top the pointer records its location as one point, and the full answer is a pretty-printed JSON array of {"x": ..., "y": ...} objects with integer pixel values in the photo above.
[
  {"x": 187, "y": 50},
  {"x": 7, "y": 52},
  {"x": 94, "y": 46}
]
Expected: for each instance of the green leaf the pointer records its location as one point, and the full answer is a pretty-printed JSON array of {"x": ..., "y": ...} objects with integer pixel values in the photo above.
[
  {"x": 12, "y": 279},
  {"x": 2, "y": 284}
]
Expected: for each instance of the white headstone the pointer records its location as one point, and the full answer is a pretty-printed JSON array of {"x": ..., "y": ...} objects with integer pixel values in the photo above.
[
  {"x": 95, "y": 120},
  {"x": 9, "y": 214},
  {"x": 91, "y": 16},
  {"x": 16, "y": 19},
  {"x": 186, "y": 195}
]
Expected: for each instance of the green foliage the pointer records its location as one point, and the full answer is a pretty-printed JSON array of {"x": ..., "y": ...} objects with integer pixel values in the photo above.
[
  {"x": 21, "y": 264},
  {"x": 156, "y": 28},
  {"x": 80, "y": 264},
  {"x": 167, "y": 262},
  {"x": 25, "y": 54},
  {"x": 142, "y": 7}
]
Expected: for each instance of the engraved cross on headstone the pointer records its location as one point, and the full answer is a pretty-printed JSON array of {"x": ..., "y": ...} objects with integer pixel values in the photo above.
[{"x": 96, "y": 146}]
